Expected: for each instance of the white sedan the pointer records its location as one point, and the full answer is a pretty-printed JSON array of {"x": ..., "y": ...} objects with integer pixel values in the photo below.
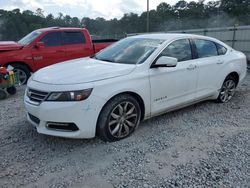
[{"x": 134, "y": 79}]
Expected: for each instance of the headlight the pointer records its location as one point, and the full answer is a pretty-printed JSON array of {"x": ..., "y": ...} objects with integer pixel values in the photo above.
[{"x": 69, "y": 95}]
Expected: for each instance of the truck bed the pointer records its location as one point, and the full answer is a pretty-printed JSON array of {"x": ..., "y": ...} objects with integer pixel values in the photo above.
[{"x": 101, "y": 44}]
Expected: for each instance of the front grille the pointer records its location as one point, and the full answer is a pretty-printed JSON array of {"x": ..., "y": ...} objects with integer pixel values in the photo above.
[
  {"x": 37, "y": 96},
  {"x": 34, "y": 119}
]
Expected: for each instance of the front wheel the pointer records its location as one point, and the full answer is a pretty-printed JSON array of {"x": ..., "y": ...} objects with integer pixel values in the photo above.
[
  {"x": 227, "y": 90},
  {"x": 119, "y": 118}
]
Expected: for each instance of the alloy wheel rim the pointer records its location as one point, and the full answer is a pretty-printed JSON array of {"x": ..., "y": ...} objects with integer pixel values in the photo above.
[
  {"x": 123, "y": 119},
  {"x": 227, "y": 91},
  {"x": 22, "y": 76}
]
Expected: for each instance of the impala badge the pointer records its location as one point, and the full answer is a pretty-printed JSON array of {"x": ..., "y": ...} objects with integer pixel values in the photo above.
[{"x": 160, "y": 99}]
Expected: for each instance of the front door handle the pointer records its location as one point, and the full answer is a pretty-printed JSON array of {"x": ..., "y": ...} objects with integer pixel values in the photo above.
[{"x": 191, "y": 67}]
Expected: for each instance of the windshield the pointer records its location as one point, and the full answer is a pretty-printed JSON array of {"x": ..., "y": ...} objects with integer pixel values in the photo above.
[
  {"x": 29, "y": 38},
  {"x": 129, "y": 50}
]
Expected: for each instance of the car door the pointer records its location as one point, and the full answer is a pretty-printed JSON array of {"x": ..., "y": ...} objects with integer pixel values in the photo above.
[
  {"x": 52, "y": 52},
  {"x": 209, "y": 63},
  {"x": 173, "y": 86},
  {"x": 76, "y": 45}
]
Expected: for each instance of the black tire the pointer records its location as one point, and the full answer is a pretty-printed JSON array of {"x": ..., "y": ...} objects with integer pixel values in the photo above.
[
  {"x": 224, "y": 89},
  {"x": 11, "y": 90},
  {"x": 24, "y": 72},
  {"x": 3, "y": 94},
  {"x": 125, "y": 124}
]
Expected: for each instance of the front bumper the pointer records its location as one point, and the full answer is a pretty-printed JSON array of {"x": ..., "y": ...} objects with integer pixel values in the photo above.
[{"x": 83, "y": 114}]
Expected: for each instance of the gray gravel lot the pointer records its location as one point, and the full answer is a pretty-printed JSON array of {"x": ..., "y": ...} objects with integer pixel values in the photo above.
[{"x": 204, "y": 145}]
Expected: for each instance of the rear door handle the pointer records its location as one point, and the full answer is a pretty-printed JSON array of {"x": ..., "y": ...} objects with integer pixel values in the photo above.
[
  {"x": 191, "y": 67},
  {"x": 219, "y": 62}
]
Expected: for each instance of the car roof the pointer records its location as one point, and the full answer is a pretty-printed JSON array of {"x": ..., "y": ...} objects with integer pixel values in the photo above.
[
  {"x": 168, "y": 37},
  {"x": 60, "y": 28},
  {"x": 171, "y": 36}
]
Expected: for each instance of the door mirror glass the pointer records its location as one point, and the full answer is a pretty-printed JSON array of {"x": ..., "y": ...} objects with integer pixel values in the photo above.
[
  {"x": 165, "y": 61},
  {"x": 39, "y": 45}
]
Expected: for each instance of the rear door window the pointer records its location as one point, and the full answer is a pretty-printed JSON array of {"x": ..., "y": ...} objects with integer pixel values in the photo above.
[
  {"x": 74, "y": 38},
  {"x": 205, "y": 48},
  {"x": 179, "y": 49},
  {"x": 52, "y": 39}
]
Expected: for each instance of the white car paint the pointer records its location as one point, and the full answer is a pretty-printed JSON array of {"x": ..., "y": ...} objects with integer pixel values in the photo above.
[
  {"x": 82, "y": 72},
  {"x": 161, "y": 89}
]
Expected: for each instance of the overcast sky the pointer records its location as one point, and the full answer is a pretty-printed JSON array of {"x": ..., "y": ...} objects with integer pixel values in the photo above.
[{"x": 84, "y": 8}]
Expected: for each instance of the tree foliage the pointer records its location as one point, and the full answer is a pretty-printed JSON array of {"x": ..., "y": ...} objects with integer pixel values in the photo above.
[{"x": 183, "y": 15}]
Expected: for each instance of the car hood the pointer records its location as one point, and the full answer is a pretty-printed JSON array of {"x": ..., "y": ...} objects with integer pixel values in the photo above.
[
  {"x": 9, "y": 45},
  {"x": 79, "y": 71}
]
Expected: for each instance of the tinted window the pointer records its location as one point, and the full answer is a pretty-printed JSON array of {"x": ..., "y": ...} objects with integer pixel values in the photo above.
[
  {"x": 179, "y": 49},
  {"x": 205, "y": 48},
  {"x": 129, "y": 50},
  {"x": 73, "y": 38},
  {"x": 221, "y": 49},
  {"x": 52, "y": 39}
]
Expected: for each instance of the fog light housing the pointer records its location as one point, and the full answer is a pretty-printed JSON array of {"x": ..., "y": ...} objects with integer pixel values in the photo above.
[{"x": 62, "y": 126}]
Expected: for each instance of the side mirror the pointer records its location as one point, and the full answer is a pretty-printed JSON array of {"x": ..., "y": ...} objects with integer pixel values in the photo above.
[
  {"x": 39, "y": 45},
  {"x": 165, "y": 61}
]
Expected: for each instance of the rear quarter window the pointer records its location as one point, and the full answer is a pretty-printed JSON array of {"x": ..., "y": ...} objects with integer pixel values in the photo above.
[{"x": 221, "y": 49}]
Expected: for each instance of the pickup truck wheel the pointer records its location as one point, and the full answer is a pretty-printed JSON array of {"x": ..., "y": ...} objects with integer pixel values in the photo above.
[
  {"x": 23, "y": 73},
  {"x": 119, "y": 118},
  {"x": 227, "y": 90}
]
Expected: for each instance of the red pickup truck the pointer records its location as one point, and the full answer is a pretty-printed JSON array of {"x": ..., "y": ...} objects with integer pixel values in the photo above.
[{"x": 44, "y": 47}]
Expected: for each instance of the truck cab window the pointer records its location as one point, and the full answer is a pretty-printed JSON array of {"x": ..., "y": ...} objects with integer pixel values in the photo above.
[
  {"x": 74, "y": 38},
  {"x": 52, "y": 39},
  {"x": 29, "y": 38}
]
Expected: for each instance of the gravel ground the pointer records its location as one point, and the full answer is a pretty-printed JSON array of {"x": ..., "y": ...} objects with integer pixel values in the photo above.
[{"x": 204, "y": 145}]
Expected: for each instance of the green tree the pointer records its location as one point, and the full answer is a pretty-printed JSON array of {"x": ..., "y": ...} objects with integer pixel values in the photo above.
[{"x": 183, "y": 15}]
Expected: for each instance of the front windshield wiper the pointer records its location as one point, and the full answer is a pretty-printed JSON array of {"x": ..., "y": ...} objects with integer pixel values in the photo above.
[
  {"x": 93, "y": 56},
  {"x": 108, "y": 60}
]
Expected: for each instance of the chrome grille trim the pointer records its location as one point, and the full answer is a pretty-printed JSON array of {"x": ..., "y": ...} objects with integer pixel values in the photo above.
[{"x": 36, "y": 96}]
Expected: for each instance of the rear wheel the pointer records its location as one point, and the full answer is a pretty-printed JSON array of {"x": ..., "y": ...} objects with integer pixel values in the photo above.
[
  {"x": 23, "y": 73},
  {"x": 119, "y": 118},
  {"x": 227, "y": 90}
]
